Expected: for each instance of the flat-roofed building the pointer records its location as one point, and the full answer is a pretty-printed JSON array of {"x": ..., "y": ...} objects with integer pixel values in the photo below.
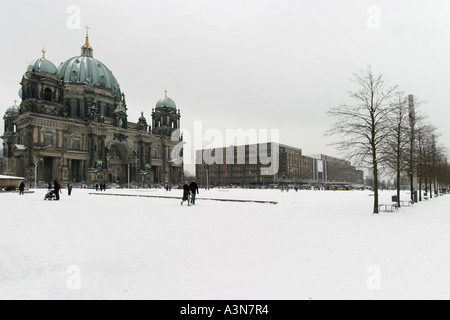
[{"x": 247, "y": 165}]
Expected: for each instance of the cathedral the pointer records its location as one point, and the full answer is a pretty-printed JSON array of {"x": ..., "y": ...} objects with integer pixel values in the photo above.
[{"x": 72, "y": 125}]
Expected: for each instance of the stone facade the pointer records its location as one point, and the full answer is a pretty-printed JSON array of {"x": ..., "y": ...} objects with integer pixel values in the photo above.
[{"x": 77, "y": 129}]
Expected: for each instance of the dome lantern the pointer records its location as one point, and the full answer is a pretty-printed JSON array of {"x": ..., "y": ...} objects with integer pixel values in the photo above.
[{"x": 86, "y": 49}]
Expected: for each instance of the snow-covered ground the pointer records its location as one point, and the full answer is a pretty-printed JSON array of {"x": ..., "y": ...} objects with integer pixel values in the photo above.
[{"x": 312, "y": 245}]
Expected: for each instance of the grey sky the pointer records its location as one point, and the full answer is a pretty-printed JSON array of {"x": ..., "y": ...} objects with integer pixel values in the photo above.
[{"x": 241, "y": 64}]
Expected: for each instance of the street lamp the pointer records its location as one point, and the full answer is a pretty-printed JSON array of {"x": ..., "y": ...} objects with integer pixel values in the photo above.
[
  {"x": 207, "y": 178},
  {"x": 128, "y": 165},
  {"x": 35, "y": 173}
]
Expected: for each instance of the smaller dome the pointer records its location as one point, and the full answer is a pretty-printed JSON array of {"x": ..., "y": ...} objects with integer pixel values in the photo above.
[
  {"x": 13, "y": 110},
  {"x": 166, "y": 102},
  {"x": 42, "y": 65}
]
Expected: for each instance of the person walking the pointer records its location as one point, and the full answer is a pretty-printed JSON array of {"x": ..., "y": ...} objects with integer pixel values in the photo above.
[
  {"x": 97, "y": 187},
  {"x": 22, "y": 189},
  {"x": 186, "y": 193},
  {"x": 57, "y": 189},
  {"x": 194, "y": 191},
  {"x": 69, "y": 188}
]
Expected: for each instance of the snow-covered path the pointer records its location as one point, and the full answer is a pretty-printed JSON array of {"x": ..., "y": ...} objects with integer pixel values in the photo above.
[{"x": 313, "y": 244}]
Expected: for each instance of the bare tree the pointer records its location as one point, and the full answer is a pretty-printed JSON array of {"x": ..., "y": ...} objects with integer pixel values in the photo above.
[
  {"x": 422, "y": 145},
  {"x": 438, "y": 159},
  {"x": 443, "y": 173},
  {"x": 396, "y": 148},
  {"x": 362, "y": 127},
  {"x": 416, "y": 121},
  {"x": 430, "y": 157}
]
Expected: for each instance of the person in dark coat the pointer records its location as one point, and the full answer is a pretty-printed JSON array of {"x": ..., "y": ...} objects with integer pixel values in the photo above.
[
  {"x": 186, "y": 193},
  {"x": 194, "y": 191},
  {"x": 57, "y": 188},
  {"x": 22, "y": 189},
  {"x": 69, "y": 188}
]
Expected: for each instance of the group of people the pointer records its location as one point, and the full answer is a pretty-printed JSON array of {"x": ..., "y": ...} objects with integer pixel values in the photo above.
[
  {"x": 190, "y": 192},
  {"x": 55, "y": 190},
  {"x": 283, "y": 189},
  {"x": 101, "y": 187}
]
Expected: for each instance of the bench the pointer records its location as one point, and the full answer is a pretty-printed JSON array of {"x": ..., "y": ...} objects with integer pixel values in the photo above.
[
  {"x": 425, "y": 196},
  {"x": 388, "y": 207},
  {"x": 408, "y": 203}
]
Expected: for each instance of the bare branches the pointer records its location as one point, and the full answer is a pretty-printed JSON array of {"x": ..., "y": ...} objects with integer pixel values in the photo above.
[
  {"x": 380, "y": 129},
  {"x": 362, "y": 127}
]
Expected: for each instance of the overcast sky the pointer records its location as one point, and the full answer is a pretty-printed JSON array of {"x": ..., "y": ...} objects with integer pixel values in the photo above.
[{"x": 272, "y": 64}]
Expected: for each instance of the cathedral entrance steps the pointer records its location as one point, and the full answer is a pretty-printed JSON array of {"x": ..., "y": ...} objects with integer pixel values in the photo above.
[{"x": 178, "y": 198}]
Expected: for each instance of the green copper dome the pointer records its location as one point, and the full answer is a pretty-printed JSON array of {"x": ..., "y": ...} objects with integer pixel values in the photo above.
[
  {"x": 85, "y": 70},
  {"x": 13, "y": 110},
  {"x": 90, "y": 72},
  {"x": 42, "y": 65},
  {"x": 166, "y": 102}
]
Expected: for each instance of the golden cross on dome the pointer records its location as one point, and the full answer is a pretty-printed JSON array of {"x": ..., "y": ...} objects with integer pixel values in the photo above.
[
  {"x": 43, "y": 52},
  {"x": 165, "y": 92},
  {"x": 15, "y": 101},
  {"x": 86, "y": 44}
]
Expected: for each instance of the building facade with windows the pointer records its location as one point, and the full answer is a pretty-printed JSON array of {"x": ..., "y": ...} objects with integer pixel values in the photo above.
[
  {"x": 72, "y": 124},
  {"x": 242, "y": 166}
]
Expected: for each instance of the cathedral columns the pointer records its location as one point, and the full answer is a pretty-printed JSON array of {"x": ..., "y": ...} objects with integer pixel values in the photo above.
[
  {"x": 91, "y": 150},
  {"x": 64, "y": 160},
  {"x": 141, "y": 155},
  {"x": 39, "y": 136},
  {"x": 149, "y": 154},
  {"x": 102, "y": 151},
  {"x": 30, "y": 144}
]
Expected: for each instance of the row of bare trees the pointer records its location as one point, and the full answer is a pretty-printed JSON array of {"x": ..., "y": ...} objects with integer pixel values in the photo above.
[{"x": 381, "y": 131}]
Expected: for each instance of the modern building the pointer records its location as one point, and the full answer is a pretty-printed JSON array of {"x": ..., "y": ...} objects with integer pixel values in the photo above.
[
  {"x": 335, "y": 170},
  {"x": 241, "y": 166},
  {"x": 72, "y": 124}
]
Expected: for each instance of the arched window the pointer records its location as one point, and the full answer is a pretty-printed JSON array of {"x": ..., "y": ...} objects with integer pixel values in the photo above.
[{"x": 48, "y": 94}]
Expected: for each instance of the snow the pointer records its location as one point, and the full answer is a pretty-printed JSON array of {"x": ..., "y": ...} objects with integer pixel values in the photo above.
[
  {"x": 3, "y": 177},
  {"x": 312, "y": 245},
  {"x": 21, "y": 147}
]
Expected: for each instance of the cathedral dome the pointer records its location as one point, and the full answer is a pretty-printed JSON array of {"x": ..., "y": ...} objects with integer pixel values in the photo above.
[
  {"x": 85, "y": 70},
  {"x": 90, "y": 72},
  {"x": 166, "y": 102},
  {"x": 42, "y": 65},
  {"x": 13, "y": 110}
]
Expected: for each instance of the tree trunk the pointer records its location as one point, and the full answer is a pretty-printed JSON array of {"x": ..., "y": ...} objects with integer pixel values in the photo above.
[
  {"x": 398, "y": 187},
  {"x": 420, "y": 189},
  {"x": 431, "y": 191},
  {"x": 411, "y": 179},
  {"x": 375, "y": 188}
]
